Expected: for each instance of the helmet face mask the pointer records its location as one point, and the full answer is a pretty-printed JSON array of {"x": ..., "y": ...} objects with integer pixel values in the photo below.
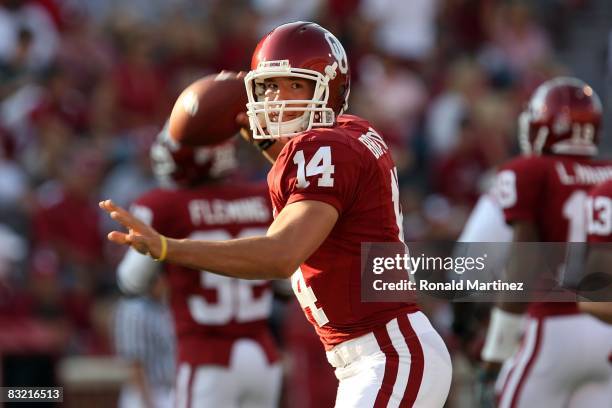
[
  {"x": 297, "y": 50},
  {"x": 563, "y": 117},
  {"x": 266, "y": 117}
]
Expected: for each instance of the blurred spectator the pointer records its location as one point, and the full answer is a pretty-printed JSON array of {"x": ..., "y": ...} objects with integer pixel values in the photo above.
[
  {"x": 27, "y": 34},
  {"x": 339, "y": 10},
  {"x": 133, "y": 176},
  {"x": 63, "y": 99},
  {"x": 468, "y": 138},
  {"x": 495, "y": 124},
  {"x": 517, "y": 35},
  {"x": 456, "y": 175},
  {"x": 45, "y": 119},
  {"x": 556, "y": 17},
  {"x": 395, "y": 99},
  {"x": 44, "y": 154},
  {"x": 138, "y": 12},
  {"x": 67, "y": 219},
  {"x": 15, "y": 115},
  {"x": 80, "y": 37},
  {"x": 13, "y": 180},
  {"x": 137, "y": 87},
  {"x": 188, "y": 48},
  {"x": 465, "y": 84},
  {"x": 403, "y": 29},
  {"x": 276, "y": 12},
  {"x": 393, "y": 96},
  {"x": 14, "y": 70},
  {"x": 609, "y": 55},
  {"x": 237, "y": 35},
  {"x": 443, "y": 219},
  {"x": 13, "y": 249},
  {"x": 465, "y": 25},
  {"x": 48, "y": 299},
  {"x": 133, "y": 13}
]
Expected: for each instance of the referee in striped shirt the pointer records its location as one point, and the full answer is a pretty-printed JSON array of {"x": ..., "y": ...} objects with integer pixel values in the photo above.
[{"x": 144, "y": 337}]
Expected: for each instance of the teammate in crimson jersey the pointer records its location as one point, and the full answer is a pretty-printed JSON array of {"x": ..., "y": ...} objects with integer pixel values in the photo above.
[
  {"x": 542, "y": 195},
  {"x": 333, "y": 186},
  {"x": 599, "y": 234},
  {"x": 599, "y": 213},
  {"x": 226, "y": 354}
]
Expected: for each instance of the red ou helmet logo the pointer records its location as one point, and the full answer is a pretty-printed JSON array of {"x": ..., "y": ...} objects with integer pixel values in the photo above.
[{"x": 338, "y": 52}]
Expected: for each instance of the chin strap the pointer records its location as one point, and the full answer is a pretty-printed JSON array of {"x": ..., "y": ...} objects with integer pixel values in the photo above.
[
  {"x": 265, "y": 144},
  {"x": 288, "y": 127}
]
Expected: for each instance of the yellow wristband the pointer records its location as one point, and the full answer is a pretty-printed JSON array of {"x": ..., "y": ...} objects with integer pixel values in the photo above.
[{"x": 164, "y": 249}]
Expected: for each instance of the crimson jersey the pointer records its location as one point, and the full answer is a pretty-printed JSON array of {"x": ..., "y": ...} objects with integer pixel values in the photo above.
[
  {"x": 599, "y": 213},
  {"x": 349, "y": 167},
  {"x": 212, "y": 311},
  {"x": 550, "y": 191}
]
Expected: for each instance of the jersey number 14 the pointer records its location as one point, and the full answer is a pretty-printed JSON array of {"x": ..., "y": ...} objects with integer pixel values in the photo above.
[{"x": 321, "y": 164}]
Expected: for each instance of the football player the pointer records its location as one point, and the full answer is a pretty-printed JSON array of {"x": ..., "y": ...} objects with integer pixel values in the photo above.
[
  {"x": 226, "y": 354},
  {"x": 487, "y": 228},
  {"x": 333, "y": 186},
  {"x": 599, "y": 230},
  {"x": 564, "y": 353}
]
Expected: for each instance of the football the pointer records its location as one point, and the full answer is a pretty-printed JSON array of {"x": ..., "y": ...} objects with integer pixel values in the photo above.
[{"x": 205, "y": 112}]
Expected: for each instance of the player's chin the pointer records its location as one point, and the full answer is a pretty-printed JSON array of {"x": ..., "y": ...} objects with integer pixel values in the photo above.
[{"x": 287, "y": 116}]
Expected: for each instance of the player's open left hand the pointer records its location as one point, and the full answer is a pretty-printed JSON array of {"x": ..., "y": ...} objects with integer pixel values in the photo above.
[{"x": 140, "y": 236}]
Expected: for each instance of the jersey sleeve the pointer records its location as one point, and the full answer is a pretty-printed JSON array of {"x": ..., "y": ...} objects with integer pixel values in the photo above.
[
  {"x": 320, "y": 171},
  {"x": 135, "y": 272},
  {"x": 599, "y": 213},
  {"x": 486, "y": 223},
  {"x": 519, "y": 187}
]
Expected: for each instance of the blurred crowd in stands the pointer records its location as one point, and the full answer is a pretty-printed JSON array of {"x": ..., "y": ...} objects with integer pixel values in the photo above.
[{"x": 85, "y": 85}]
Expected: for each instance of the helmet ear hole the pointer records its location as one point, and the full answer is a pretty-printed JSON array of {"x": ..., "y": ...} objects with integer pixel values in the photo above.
[{"x": 342, "y": 93}]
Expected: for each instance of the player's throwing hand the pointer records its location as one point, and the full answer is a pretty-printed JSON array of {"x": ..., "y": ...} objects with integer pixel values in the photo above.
[{"x": 140, "y": 236}]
